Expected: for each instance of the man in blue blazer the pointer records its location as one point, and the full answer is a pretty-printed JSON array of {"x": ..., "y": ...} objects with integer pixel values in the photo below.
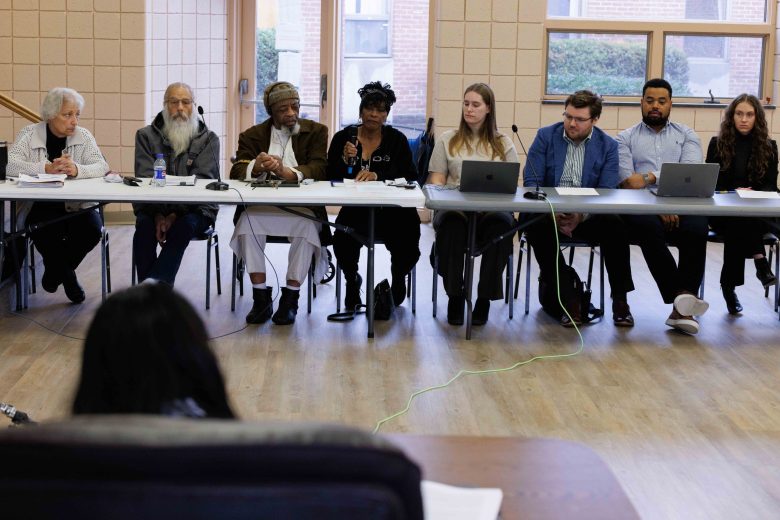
[{"x": 577, "y": 154}]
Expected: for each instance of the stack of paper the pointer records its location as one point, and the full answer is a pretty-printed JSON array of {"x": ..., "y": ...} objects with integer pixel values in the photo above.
[
  {"x": 180, "y": 180},
  {"x": 42, "y": 180},
  {"x": 441, "y": 501}
]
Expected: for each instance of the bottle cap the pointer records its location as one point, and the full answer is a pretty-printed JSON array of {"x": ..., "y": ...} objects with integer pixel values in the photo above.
[{"x": 158, "y": 156}]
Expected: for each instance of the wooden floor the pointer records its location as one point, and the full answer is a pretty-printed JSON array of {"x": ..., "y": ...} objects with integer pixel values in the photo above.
[{"x": 690, "y": 425}]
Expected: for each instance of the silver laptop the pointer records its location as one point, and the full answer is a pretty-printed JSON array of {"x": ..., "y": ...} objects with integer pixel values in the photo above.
[
  {"x": 687, "y": 180},
  {"x": 489, "y": 177}
]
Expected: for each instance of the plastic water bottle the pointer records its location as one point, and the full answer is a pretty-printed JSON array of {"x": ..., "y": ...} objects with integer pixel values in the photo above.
[{"x": 159, "y": 171}]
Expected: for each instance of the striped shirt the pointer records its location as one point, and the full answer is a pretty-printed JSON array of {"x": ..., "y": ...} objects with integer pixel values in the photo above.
[{"x": 575, "y": 158}]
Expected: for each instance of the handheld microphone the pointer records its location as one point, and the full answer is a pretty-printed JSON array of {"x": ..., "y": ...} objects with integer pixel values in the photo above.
[
  {"x": 533, "y": 195},
  {"x": 217, "y": 185},
  {"x": 352, "y": 161}
]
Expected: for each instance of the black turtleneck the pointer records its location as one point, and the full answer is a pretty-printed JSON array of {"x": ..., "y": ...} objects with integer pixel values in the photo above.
[
  {"x": 54, "y": 145},
  {"x": 743, "y": 146}
]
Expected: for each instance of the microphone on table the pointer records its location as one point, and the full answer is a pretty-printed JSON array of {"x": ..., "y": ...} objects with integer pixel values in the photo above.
[
  {"x": 217, "y": 185},
  {"x": 537, "y": 194}
]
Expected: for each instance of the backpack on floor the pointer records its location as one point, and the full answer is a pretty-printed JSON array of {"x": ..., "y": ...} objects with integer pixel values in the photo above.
[{"x": 548, "y": 297}]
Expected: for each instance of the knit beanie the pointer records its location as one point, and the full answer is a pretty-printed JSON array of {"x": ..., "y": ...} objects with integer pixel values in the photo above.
[{"x": 279, "y": 91}]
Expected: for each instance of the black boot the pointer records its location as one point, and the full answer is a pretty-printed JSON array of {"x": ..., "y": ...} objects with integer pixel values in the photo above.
[
  {"x": 732, "y": 302},
  {"x": 479, "y": 316},
  {"x": 73, "y": 289},
  {"x": 764, "y": 272},
  {"x": 288, "y": 307},
  {"x": 352, "y": 293},
  {"x": 455, "y": 310},
  {"x": 262, "y": 306},
  {"x": 398, "y": 288}
]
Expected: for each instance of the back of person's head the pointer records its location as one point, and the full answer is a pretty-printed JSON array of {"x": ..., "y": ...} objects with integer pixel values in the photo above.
[
  {"x": 147, "y": 352},
  {"x": 657, "y": 83},
  {"x": 585, "y": 99}
]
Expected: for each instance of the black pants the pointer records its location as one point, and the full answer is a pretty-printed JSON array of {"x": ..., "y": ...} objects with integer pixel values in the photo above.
[
  {"x": 608, "y": 231},
  {"x": 64, "y": 244},
  {"x": 742, "y": 238},
  {"x": 690, "y": 238},
  {"x": 398, "y": 228},
  {"x": 451, "y": 235}
]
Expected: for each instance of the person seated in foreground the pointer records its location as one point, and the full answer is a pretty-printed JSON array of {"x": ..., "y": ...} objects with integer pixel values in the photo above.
[
  {"x": 576, "y": 153},
  {"x": 642, "y": 149},
  {"x": 189, "y": 148},
  {"x": 58, "y": 145},
  {"x": 748, "y": 161},
  {"x": 147, "y": 352},
  {"x": 379, "y": 153},
  {"x": 477, "y": 138},
  {"x": 288, "y": 148}
]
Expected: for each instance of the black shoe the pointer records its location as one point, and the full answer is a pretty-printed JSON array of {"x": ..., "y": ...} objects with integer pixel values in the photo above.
[
  {"x": 732, "y": 302},
  {"x": 455, "y": 310},
  {"x": 479, "y": 315},
  {"x": 352, "y": 293},
  {"x": 261, "y": 307},
  {"x": 399, "y": 289},
  {"x": 73, "y": 289},
  {"x": 50, "y": 280},
  {"x": 288, "y": 307},
  {"x": 764, "y": 272}
]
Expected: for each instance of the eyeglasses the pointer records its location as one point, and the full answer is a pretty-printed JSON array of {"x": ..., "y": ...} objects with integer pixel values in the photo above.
[
  {"x": 570, "y": 118},
  {"x": 173, "y": 102}
]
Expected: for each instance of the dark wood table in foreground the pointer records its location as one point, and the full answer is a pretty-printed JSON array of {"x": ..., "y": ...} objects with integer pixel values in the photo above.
[{"x": 540, "y": 478}]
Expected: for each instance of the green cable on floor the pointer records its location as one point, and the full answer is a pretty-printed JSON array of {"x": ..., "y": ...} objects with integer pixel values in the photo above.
[{"x": 464, "y": 372}]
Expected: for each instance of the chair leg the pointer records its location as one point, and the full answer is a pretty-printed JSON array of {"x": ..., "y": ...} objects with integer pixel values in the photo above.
[
  {"x": 103, "y": 264},
  {"x": 132, "y": 268},
  {"x": 528, "y": 278},
  {"x": 601, "y": 278},
  {"x": 32, "y": 268},
  {"x": 216, "y": 263},
  {"x": 338, "y": 287},
  {"x": 509, "y": 281},
  {"x": 519, "y": 265},
  {"x": 108, "y": 263},
  {"x": 435, "y": 282},
  {"x": 413, "y": 283},
  {"x": 233, "y": 283},
  {"x": 309, "y": 285},
  {"x": 208, "y": 272}
]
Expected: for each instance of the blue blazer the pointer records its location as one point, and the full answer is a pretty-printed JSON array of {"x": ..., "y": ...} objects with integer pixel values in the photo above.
[{"x": 548, "y": 153}]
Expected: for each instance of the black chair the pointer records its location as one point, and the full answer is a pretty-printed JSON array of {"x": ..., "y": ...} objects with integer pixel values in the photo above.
[
  {"x": 771, "y": 240},
  {"x": 211, "y": 238},
  {"x": 105, "y": 260},
  {"x": 507, "y": 291},
  {"x": 128, "y": 467},
  {"x": 565, "y": 243}
]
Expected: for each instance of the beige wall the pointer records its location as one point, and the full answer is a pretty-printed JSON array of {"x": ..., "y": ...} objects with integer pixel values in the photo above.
[
  {"x": 500, "y": 42},
  {"x": 120, "y": 55}
]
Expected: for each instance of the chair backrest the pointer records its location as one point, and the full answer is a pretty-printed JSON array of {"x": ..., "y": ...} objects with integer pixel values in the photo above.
[{"x": 155, "y": 467}]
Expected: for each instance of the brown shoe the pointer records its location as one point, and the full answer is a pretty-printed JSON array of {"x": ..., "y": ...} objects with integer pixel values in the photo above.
[
  {"x": 574, "y": 317},
  {"x": 621, "y": 314}
]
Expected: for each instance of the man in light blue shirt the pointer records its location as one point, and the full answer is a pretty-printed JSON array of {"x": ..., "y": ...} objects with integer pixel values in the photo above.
[{"x": 642, "y": 149}]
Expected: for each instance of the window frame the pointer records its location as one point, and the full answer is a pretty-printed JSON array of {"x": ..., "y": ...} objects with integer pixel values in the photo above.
[{"x": 656, "y": 36}]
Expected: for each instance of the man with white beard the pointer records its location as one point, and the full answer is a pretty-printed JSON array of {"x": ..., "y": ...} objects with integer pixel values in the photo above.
[{"x": 189, "y": 148}]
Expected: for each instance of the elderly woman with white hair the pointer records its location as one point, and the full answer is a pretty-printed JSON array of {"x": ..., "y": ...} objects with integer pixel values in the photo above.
[{"x": 59, "y": 145}]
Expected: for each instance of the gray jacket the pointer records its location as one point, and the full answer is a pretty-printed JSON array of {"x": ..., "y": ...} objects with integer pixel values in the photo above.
[{"x": 198, "y": 161}]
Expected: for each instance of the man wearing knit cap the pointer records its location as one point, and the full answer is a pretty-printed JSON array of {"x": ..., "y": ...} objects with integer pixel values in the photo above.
[{"x": 283, "y": 147}]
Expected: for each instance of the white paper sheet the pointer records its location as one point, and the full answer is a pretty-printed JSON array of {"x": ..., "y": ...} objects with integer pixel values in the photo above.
[
  {"x": 750, "y": 194},
  {"x": 577, "y": 191},
  {"x": 442, "y": 501}
]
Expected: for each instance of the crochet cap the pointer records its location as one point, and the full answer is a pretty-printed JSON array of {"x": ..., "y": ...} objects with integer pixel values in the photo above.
[{"x": 278, "y": 91}]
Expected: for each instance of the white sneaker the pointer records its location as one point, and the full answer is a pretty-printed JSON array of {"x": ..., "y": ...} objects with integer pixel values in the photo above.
[
  {"x": 690, "y": 305},
  {"x": 687, "y": 325}
]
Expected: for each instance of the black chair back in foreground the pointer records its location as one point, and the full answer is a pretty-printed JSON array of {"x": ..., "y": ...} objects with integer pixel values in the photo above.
[{"x": 124, "y": 467}]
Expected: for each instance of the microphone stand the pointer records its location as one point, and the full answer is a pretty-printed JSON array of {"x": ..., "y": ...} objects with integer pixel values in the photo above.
[
  {"x": 217, "y": 185},
  {"x": 538, "y": 194}
]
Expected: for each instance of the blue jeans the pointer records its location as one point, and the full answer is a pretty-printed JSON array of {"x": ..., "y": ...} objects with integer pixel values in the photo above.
[{"x": 165, "y": 266}]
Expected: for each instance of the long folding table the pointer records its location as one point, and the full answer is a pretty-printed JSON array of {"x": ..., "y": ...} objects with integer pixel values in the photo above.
[
  {"x": 322, "y": 193},
  {"x": 617, "y": 202}
]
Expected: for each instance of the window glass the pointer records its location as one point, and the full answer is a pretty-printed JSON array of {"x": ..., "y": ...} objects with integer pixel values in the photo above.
[
  {"x": 610, "y": 64},
  {"x": 741, "y": 11},
  {"x": 726, "y": 65}
]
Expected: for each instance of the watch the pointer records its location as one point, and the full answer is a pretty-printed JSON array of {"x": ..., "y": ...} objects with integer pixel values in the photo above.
[{"x": 646, "y": 178}]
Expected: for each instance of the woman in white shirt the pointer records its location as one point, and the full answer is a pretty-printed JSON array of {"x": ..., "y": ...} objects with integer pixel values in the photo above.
[{"x": 477, "y": 138}]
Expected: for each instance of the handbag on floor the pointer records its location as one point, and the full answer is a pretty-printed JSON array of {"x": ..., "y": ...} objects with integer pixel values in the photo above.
[{"x": 383, "y": 305}]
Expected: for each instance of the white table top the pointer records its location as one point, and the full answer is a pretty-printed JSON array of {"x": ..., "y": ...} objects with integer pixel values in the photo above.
[
  {"x": 620, "y": 202},
  {"x": 316, "y": 194}
]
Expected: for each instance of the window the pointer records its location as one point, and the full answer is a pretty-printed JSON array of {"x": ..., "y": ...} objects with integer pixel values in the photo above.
[
  {"x": 366, "y": 28},
  {"x": 697, "y": 45}
]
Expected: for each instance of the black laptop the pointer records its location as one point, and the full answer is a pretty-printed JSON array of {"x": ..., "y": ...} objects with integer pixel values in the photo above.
[{"x": 489, "y": 177}]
